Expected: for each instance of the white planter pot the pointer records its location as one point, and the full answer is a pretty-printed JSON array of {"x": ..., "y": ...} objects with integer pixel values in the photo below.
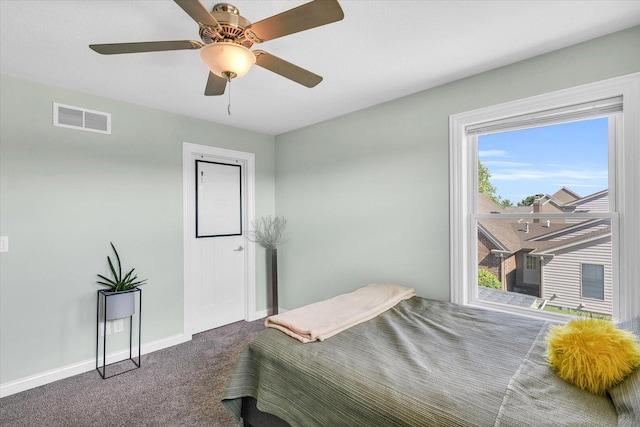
[{"x": 119, "y": 304}]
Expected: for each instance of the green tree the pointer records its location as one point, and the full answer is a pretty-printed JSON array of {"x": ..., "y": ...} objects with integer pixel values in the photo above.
[
  {"x": 488, "y": 279},
  {"x": 528, "y": 201},
  {"x": 485, "y": 186},
  {"x": 505, "y": 203},
  {"x": 484, "y": 183}
]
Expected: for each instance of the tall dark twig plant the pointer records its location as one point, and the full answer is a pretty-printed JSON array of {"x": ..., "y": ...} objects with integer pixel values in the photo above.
[
  {"x": 120, "y": 283},
  {"x": 267, "y": 231}
]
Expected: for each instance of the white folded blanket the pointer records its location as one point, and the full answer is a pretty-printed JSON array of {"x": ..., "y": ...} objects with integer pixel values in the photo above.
[{"x": 324, "y": 319}]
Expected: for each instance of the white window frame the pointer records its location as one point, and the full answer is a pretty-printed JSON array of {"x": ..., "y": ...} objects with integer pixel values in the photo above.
[{"x": 625, "y": 198}]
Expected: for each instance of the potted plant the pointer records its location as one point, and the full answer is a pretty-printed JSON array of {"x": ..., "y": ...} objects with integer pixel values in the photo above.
[
  {"x": 121, "y": 299},
  {"x": 267, "y": 231}
]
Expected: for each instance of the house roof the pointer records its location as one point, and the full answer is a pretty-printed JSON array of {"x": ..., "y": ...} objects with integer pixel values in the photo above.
[
  {"x": 513, "y": 234},
  {"x": 549, "y": 247},
  {"x": 565, "y": 195},
  {"x": 505, "y": 297},
  {"x": 590, "y": 197},
  {"x": 564, "y": 200},
  {"x": 487, "y": 205}
]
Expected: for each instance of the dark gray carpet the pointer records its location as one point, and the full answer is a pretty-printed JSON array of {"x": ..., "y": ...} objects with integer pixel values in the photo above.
[{"x": 177, "y": 386}]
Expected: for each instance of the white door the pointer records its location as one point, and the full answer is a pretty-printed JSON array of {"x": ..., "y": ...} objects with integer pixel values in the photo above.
[
  {"x": 216, "y": 244},
  {"x": 218, "y": 281}
]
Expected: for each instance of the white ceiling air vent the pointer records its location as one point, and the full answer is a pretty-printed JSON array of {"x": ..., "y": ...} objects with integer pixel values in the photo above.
[{"x": 67, "y": 116}]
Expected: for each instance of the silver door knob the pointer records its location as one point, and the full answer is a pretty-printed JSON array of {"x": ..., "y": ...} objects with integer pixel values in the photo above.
[{"x": 240, "y": 249}]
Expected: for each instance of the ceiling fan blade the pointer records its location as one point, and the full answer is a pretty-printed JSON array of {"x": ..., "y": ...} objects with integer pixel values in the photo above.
[
  {"x": 198, "y": 12},
  {"x": 215, "y": 85},
  {"x": 116, "y": 48},
  {"x": 307, "y": 16},
  {"x": 286, "y": 69}
]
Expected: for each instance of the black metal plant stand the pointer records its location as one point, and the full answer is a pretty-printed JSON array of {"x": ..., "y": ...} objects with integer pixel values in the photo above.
[{"x": 105, "y": 295}]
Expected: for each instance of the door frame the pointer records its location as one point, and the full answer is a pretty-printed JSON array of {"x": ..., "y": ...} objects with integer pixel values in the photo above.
[{"x": 249, "y": 176}]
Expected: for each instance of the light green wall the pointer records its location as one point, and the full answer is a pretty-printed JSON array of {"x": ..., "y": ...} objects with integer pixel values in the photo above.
[
  {"x": 65, "y": 194},
  {"x": 366, "y": 195}
]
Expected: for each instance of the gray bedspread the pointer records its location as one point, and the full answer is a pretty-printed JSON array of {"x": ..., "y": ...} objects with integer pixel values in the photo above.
[{"x": 422, "y": 363}]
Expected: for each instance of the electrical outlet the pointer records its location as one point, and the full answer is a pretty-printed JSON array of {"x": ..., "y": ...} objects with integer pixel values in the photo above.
[
  {"x": 118, "y": 325},
  {"x": 113, "y": 327},
  {"x": 108, "y": 328}
]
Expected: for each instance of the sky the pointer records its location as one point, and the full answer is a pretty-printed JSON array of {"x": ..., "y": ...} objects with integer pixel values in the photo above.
[{"x": 543, "y": 160}]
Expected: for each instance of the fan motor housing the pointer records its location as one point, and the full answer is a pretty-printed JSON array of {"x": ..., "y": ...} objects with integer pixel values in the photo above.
[{"x": 232, "y": 26}]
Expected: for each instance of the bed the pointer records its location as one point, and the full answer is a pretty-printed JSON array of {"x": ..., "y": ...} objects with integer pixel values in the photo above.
[{"x": 420, "y": 363}]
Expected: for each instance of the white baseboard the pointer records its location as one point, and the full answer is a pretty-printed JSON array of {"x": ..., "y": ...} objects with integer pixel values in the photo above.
[
  {"x": 259, "y": 315},
  {"x": 32, "y": 381},
  {"x": 264, "y": 313}
]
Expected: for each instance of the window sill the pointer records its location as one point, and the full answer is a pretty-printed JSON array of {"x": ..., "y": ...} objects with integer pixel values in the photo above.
[{"x": 522, "y": 311}]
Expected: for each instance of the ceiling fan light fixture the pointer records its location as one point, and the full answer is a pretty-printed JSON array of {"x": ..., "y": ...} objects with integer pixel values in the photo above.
[{"x": 227, "y": 59}]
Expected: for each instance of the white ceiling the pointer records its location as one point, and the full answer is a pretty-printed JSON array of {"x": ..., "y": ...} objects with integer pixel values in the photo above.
[{"x": 382, "y": 50}]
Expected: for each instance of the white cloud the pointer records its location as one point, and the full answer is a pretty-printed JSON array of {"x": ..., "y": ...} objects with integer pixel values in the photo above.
[
  {"x": 579, "y": 185},
  {"x": 506, "y": 164},
  {"x": 492, "y": 153},
  {"x": 522, "y": 174}
]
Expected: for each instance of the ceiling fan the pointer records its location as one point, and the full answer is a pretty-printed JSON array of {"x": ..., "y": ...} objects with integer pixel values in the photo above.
[{"x": 226, "y": 38}]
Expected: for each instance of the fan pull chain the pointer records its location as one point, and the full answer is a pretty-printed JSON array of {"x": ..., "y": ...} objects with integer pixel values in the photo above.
[{"x": 229, "y": 105}]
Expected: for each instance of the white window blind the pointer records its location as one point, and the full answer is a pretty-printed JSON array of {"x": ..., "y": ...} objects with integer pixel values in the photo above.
[{"x": 573, "y": 112}]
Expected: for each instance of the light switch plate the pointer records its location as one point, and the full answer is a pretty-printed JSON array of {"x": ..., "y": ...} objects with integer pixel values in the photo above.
[{"x": 4, "y": 243}]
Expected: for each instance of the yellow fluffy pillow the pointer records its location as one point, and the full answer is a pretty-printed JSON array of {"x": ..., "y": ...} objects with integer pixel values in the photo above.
[{"x": 592, "y": 354}]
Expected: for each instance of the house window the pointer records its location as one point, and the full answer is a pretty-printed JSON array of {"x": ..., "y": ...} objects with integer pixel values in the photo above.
[
  {"x": 593, "y": 281},
  {"x": 563, "y": 229}
]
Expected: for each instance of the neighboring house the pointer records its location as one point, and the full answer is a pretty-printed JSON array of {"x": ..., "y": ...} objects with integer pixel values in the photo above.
[{"x": 565, "y": 262}]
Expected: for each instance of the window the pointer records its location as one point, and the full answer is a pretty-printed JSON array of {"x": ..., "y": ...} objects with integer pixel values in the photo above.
[
  {"x": 593, "y": 281},
  {"x": 583, "y": 237},
  {"x": 560, "y": 169}
]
